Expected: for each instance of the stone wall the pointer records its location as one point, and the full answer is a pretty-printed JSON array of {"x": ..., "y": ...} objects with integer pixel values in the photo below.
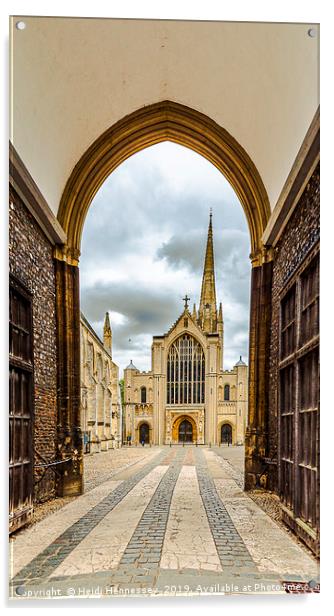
[
  {"x": 30, "y": 260},
  {"x": 299, "y": 236},
  {"x": 100, "y": 394}
]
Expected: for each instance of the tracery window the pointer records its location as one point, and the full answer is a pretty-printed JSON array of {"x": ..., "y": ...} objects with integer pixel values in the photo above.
[{"x": 185, "y": 372}]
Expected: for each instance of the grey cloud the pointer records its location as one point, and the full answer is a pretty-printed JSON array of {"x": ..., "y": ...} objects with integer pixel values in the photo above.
[
  {"x": 132, "y": 206},
  {"x": 133, "y": 203},
  {"x": 187, "y": 248},
  {"x": 147, "y": 310}
]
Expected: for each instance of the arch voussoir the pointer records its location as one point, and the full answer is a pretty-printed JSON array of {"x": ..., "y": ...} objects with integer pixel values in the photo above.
[{"x": 163, "y": 121}]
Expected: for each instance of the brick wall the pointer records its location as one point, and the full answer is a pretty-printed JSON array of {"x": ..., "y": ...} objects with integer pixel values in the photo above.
[
  {"x": 30, "y": 260},
  {"x": 300, "y": 234}
]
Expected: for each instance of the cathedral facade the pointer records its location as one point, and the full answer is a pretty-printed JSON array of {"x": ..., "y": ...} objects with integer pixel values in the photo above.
[{"x": 187, "y": 396}]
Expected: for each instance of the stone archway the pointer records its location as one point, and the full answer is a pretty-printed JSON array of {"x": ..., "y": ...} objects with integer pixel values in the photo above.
[
  {"x": 185, "y": 432},
  {"x": 163, "y": 121},
  {"x": 183, "y": 428},
  {"x": 144, "y": 433},
  {"x": 226, "y": 433}
]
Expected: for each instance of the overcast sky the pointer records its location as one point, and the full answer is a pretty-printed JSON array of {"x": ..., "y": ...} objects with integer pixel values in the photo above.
[{"x": 143, "y": 249}]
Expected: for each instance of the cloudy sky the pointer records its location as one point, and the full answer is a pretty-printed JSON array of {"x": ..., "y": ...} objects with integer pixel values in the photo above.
[{"x": 143, "y": 249}]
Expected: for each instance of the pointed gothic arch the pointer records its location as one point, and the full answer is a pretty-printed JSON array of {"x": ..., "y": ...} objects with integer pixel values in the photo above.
[{"x": 163, "y": 121}]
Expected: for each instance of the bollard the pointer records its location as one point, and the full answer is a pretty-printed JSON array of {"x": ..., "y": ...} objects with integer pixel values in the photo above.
[
  {"x": 183, "y": 444},
  {"x": 209, "y": 444},
  {"x": 170, "y": 443}
]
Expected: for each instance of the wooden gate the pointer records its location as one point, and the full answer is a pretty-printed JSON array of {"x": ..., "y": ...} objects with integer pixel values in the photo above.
[
  {"x": 299, "y": 402},
  {"x": 20, "y": 405}
]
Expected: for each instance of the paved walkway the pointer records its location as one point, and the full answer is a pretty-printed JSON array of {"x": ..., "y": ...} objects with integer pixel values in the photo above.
[{"x": 175, "y": 521}]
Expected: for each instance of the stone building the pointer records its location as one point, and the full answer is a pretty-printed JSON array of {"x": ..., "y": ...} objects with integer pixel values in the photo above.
[
  {"x": 101, "y": 410},
  {"x": 187, "y": 395},
  {"x": 61, "y": 152}
]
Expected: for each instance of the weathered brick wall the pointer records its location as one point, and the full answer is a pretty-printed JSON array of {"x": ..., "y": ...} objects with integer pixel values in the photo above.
[
  {"x": 300, "y": 234},
  {"x": 30, "y": 260}
]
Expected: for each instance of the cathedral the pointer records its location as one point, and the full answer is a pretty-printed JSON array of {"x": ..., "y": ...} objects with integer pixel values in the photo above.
[
  {"x": 187, "y": 396},
  {"x": 101, "y": 409}
]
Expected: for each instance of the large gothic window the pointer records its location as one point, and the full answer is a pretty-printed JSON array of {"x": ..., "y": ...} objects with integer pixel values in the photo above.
[{"x": 185, "y": 372}]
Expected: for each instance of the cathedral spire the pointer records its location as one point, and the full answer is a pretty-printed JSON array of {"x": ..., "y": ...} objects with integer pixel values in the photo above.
[
  {"x": 107, "y": 334},
  {"x": 208, "y": 306}
]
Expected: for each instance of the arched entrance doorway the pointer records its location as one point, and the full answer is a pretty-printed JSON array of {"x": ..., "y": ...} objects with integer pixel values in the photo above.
[
  {"x": 185, "y": 432},
  {"x": 144, "y": 434},
  {"x": 163, "y": 121},
  {"x": 226, "y": 434}
]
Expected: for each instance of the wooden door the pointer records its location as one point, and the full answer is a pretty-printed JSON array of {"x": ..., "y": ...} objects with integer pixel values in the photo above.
[
  {"x": 20, "y": 406},
  {"x": 185, "y": 432}
]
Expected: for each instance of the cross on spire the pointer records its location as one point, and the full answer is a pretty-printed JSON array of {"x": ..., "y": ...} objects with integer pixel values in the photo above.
[{"x": 186, "y": 299}]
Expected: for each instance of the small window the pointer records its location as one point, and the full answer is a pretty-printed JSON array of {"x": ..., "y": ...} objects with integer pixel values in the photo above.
[
  {"x": 226, "y": 392},
  {"x": 143, "y": 395}
]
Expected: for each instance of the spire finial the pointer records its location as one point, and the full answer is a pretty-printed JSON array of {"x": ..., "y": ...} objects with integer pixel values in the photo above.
[{"x": 107, "y": 334}]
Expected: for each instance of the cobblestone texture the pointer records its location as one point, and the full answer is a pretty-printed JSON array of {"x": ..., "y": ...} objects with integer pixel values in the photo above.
[
  {"x": 230, "y": 547},
  {"x": 101, "y": 467},
  {"x": 143, "y": 553},
  {"x": 169, "y": 511},
  {"x": 50, "y": 558},
  {"x": 232, "y": 460},
  {"x": 98, "y": 468}
]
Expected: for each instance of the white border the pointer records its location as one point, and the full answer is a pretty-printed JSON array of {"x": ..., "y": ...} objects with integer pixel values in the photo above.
[{"x": 237, "y": 10}]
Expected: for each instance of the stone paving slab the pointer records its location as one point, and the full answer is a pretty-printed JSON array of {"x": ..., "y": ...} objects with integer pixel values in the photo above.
[
  {"x": 151, "y": 527},
  {"x": 53, "y": 555},
  {"x": 143, "y": 553},
  {"x": 103, "y": 548},
  {"x": 270, "y": 546},
  {"x": 100, "y": 467},
  {"x": 188, "y": 541},
  {"x": 231, "y": 549},
  {"x": 33, "y": 540}
]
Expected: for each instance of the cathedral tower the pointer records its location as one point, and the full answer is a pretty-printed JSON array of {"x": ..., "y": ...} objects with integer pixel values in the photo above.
[
  {"x": 107, "y": 334},
  {"x": 220, "y": 327},
  {"x": 208, "y": 307}
]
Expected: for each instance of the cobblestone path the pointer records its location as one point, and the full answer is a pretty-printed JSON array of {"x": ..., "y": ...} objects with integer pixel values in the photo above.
[
  {"x": 230, "y": 547},
  {"x": 175, "y": 521}
]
